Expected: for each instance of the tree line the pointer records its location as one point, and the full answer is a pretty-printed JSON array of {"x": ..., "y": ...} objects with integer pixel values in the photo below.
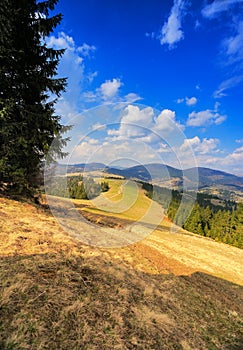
[
  {"x": 77, "y": 187},
  {"x": 222, "y": 222}
]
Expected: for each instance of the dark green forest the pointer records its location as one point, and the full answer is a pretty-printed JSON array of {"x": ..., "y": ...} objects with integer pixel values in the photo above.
[
  {"x": 77, "y": 187},
  {"x": 222, "y": 221},
  {"x": 29, "y": 88}
]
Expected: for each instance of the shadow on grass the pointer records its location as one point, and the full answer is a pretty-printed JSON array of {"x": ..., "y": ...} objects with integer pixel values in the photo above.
[{"x": 62, "y": 301}]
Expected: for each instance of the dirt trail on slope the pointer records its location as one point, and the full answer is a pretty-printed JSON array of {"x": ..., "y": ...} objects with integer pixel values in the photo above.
[
  {"x": 180, "y": 252},
  {"x": 26, "y": 230}
]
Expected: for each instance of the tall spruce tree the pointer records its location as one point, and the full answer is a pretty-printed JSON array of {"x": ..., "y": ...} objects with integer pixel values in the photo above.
[{"x": 28, "y": 69}]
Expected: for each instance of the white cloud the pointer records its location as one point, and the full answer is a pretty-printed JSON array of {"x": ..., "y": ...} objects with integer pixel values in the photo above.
[
  {"x": 205, "y": 117},
  {"x": 150, "y": 35},
  {"x": 235, "y": 158},
  {"x": 233, "y": 46},
  {"x": 206, "y": 152},
  {"x": 166, "y": 122},
  {"x": 142, "y": 117},
  {"x": 132, "y": 150},
  {"x": 233, "y": 55},
  {"x": 163, "y": 148},
  {"x": 132, "y": 97},
  {"x": 172, "y": 32},
  {"x": 217, "y": 6},
  {"x": 135, "y": 122},
  {"x": 206, "y": 146},
  {"x": 91, "y": 76},
  {"x": 212, "y": 157},
  {"x": 98, "y": 126},
  {"x": 71, "y": 65},
  {"x": 143, "y": 136},
  {"x": 226, "y": 85},
  {"x": 63, "y": 41},
  {"x": 109, "y": 88},
  {"x": 191, "y": 101},
  {"x": 197, "y": 25},
  {"x": 108, "y": 92},
  {"x": 142, "y": 124},
  {"x": 190, "y": 142},
  {"x": 89, "y": 96},
  {"x": 86, "y": 50}
]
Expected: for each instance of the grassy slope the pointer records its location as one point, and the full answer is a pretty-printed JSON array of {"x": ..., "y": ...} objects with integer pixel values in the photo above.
[
  {"x": 56, "y": 293},
  {"x": 125, "y": 199},
  {"x": 184, "y": 252}
]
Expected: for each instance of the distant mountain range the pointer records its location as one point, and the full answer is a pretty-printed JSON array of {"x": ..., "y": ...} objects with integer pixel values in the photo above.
[{"x": 166, "y": 175}]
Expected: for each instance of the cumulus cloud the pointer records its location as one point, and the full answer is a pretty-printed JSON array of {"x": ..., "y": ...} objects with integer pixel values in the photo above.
[
  {"x": 69, "y": 105},
  {"x": 144, "y": 136},
  {"x": 166, "y": 121},
  {"x": 235, "y": 158},
  {"x": 63, "y": 41},
  {"x": 217, "y": 6},
  {"x": 205, "y": 150},
  {"x": 132, "y": 150},
  {"x": 142, "y": 117},
  {"x": 142, "y": 124},
  {"x": 190, "y": 142},
  {"x": 110, "y": 88},
  {"x": 190, "y": 101},
  {"x": 135, "y": 122},
  {"x": 205, "y": 117},
  {"x": 206, "y": 146},
  {"x": 108, "y": 92},
  {"x": 171, "y": 32}
]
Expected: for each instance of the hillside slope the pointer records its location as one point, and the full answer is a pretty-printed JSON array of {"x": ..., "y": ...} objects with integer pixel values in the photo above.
[
  {"x": 165, "y": 174},
  {"x": 56, "y": 293}
]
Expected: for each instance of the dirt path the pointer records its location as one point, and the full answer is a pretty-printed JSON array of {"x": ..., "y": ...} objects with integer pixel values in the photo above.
[
  {"x": 180, "y": 253},
  {"x": 27, "y": 230}
]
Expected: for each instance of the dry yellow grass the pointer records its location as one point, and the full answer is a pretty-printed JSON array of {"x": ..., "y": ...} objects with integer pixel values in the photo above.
[
  {"x": 56, "y": 293},
  {"x": 162, "y": 251}
]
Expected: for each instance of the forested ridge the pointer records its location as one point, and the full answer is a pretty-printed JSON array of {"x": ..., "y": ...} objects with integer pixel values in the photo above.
[{"x": 222, "y": 221}]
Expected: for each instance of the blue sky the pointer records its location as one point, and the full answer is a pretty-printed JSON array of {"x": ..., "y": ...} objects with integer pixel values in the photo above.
[{"x": 153, "y": 80}]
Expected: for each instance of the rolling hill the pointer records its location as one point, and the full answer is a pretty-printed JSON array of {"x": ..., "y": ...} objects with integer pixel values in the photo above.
[
  {"x": 168, "y": 291},
  {"x": 165, "y": 175}
]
